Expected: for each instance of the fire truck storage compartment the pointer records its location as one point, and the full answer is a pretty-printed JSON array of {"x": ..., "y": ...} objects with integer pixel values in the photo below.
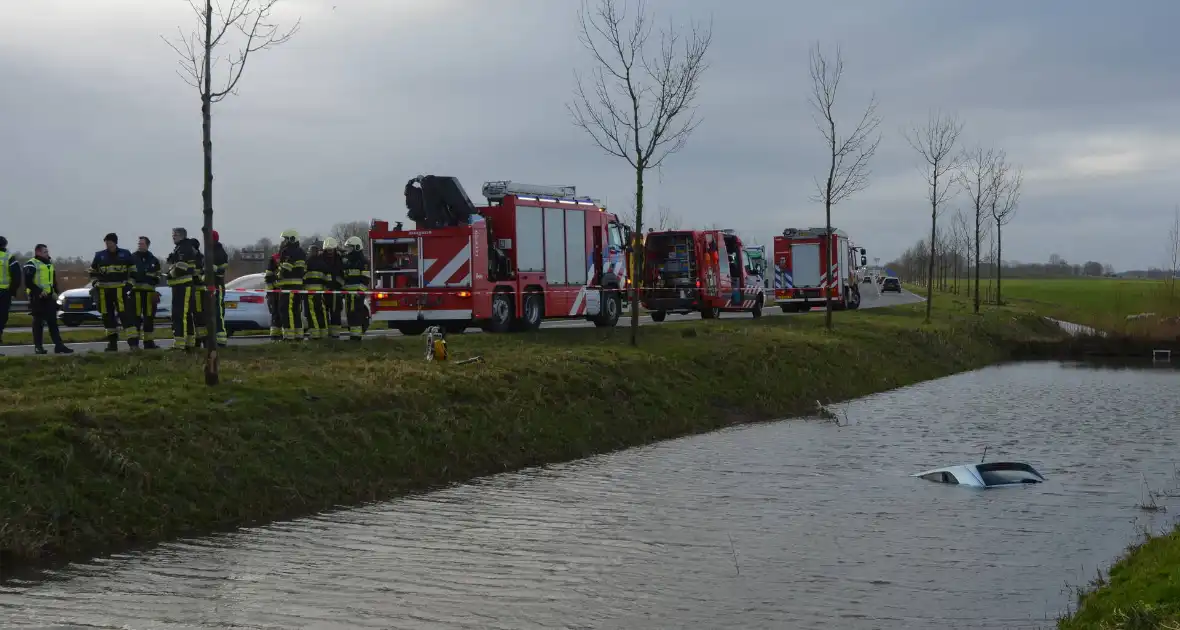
[
  {"x": 805, "y": 267},
  {"x": 552, "y": 240},
  {"x": 436, "y": 201},
  {"x": 671, "y": 263},
  {"x": 395, "y": 264}
]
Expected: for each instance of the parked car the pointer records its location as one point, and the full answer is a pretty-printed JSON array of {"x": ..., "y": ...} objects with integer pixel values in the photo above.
[
  {"x": 75, "y": 307},
  {"x": 245, "y": 304},
  {"x": 891, "y": 284},
  {"x": 989, "y": 475}
]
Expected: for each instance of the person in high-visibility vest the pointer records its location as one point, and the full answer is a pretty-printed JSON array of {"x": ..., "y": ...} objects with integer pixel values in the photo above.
[
  {"x": 41, "y": 286},
  {"x": 10, "y": 280}
]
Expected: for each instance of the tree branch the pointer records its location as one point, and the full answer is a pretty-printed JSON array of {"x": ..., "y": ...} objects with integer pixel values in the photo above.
[{"x": 848, "y": 164}]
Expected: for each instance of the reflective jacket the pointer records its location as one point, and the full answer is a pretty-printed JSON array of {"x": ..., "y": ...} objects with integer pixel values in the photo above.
[
  {"x": 220, "y": 263},
  {"x": 40, "y": 279},
  {"x": 146, "y": 274},
  {"x": 272, "y": 271},
  {"x": 199, "y": 265},
  {"x": 181, "y": 263},
  {"x": 356, "y": 272},
  {"x": 319, "y": 273},
  {"x": 292, "y": 267},
  {"x": 335, "y": 272},
  {"x": 10, "y": 272},
  {"x": 110, "y": 270}
]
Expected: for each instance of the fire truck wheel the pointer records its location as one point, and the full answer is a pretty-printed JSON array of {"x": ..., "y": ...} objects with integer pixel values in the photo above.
[
  {"x": 756, "y": 311},
  {"x": 854, "y": 299},
  {"x": 502, "y": 313},
  {"x": 659, "y": 316},
  {"x": 534, "y": 311},
  {"x": 787, "y": 308},
  {"x": 411, "y": 330},
  {"x": 710, "y": 312},
  {"x": 612, "y": 308}
]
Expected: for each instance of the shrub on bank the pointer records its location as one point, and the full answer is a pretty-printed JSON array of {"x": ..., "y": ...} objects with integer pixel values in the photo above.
[{"x": 98, "y": 452}]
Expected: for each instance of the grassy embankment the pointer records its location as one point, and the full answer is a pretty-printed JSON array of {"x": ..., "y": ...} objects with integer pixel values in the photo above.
[
  {"x": 1101, "y": 303},
  {"x": 101, "y": 451},
  {"x": 95, "y": 334},
  {"x": 1141, "y": 591}
]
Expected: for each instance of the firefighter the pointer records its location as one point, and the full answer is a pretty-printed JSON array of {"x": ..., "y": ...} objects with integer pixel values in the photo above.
[
  {"x": 333, "y": 300},
  {"x": 200, "y": 321},
  {"x": 316, "y": 280},
  {"x": 272, "y": 297},
  {"x": 145, "y": 277},
  {"x": 181, "y": 263},
  {"x": 356, "y": 285},
  {"x": 41, "y": 285},
  {"x": 10, "y": 282},
  {"x": 289, "y": 281},
  {"x": 110, "y": 277},
  {"x": 220, "y": 269}
]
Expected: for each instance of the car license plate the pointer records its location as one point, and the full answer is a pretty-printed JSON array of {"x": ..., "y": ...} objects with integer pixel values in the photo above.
[
  {"x": 231, "y": 305},
  {"x": 77, "y": 307}
]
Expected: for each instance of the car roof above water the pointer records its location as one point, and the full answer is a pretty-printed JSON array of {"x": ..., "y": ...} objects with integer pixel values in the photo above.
[{"x": 986, "y": 475}]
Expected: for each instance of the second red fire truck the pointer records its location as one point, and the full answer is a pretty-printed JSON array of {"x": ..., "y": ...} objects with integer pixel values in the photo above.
[
  {"x": 533, "y": 252},
  {"x": 812, "y": 264},
  {"x": 705, "y": 271}
]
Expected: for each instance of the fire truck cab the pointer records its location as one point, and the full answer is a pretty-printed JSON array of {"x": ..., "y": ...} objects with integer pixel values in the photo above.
[
  {"x": 705, "y": 271},
  {"x": 812, "y": 264},
  {"x": 533, "y": 252}
]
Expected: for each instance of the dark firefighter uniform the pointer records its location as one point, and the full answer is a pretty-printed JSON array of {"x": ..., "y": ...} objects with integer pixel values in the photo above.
[
  {"x": 316, "y": 279},
  {"x": 10, "y": 282},
  {"x": 41, "y": 285},
  {"x": 356, "y": 286},
  {"x": 220, "y": 269},
  {"x": 272, "y": 299},
  {"x": 181, "y": 263},
  {"x": 289, "y": 281},
  {"x": 333, "y": 300},
  {"x": 110, "y": 275},
  {"x": 200, "y": 316},
  {"x": 145, "y": 277}
]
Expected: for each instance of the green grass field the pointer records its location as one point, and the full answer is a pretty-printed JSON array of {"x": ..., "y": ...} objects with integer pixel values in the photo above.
[{"x": 1142, "y": 591}]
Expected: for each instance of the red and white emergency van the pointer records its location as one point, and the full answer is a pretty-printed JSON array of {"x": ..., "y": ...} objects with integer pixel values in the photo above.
[
  {"x": 811, "y": 264},
  {"x": 705, "y": 271},
  {"x": 533, "y": 252}
]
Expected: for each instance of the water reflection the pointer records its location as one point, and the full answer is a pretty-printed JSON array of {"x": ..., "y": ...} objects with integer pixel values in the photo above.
[{"x": 793, "y": 524}]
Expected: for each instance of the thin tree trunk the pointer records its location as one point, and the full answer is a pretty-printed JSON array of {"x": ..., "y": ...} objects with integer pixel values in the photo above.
[
  {"x": 211, "y": 375},
  {"x": 828, "y": 225},
  {"x": 978, "y": 257},
  {"x": 638, "y": 255},
  {"x": 999, "y": 257},
  {"x": 930, "y": 268}
]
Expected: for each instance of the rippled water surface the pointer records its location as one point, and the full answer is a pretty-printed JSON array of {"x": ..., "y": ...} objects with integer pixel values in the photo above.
[{"x": 788, "y": 525}]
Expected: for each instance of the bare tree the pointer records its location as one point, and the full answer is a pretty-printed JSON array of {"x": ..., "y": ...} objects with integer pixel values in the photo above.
[
  {"x": 344, "y": 230},
  {"x": 935, "y": 143},
  {"x": 665, "y": 218},
  {"x": 252, "y": 20},
  {"x": 1004, "y": 203},
  {"x": 978, "y": 176},
  {"x": 962, "y": 245},
  {"x": 847, "y": 154},
  {"x": 639, "y": 106}
]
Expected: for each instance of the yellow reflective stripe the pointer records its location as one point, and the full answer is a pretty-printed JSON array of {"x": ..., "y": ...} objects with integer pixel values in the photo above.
[{"x": 5, "y": 273}]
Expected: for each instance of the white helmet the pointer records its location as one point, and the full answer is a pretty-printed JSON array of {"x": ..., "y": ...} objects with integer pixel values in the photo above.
[
  {"x": 331, "y": 243},
  {"x": 353, "y": 243}
]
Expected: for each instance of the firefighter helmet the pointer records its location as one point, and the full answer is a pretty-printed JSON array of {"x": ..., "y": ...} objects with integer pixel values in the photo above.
[
  {"x": 331, "y": 243},
  {"x": 353, "y": 243},
  {"x": 288, "y": 236}
]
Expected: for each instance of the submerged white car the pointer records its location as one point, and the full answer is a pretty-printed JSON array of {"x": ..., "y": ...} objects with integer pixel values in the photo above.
[{"x": 984, "y": 475}]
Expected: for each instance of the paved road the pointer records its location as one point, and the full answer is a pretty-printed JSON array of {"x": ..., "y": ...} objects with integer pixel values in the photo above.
[{"x": 869, "y": 300}]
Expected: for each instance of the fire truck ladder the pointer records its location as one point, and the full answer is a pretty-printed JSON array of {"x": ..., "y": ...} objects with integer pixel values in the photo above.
[{"x": 496, "y": 191}]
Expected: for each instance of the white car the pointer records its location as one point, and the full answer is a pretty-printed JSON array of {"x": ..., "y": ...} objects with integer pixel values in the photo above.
[
  {"x": 75, "y": 307},
  {"x": 989, "y": 475},
  {"x": 245, "y": 304}
]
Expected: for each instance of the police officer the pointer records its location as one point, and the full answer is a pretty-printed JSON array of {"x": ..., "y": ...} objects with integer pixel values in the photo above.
[
  {"x": 10, "y": 281},
  {"x": 289, "y": 281},
  {"x": 220, "y": 269},
  {"x": 315, "y": 281},
  {"x": 181, "y": 263},
  {"x": 271, "y": 277},
  {"x": 145, "y": 277},
  {"x": 110, "y": 276},
  {"x": 41, "y": 285},
  {"x": 356, "y": 286},
  {"x": 333, "y": 300}
]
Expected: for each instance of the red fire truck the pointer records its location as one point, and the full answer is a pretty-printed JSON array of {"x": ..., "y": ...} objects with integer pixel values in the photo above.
[
  {"x": 699, "y": 270},
  {"x": 811, "y": 264},
  {"x": 533, "y": 252}
]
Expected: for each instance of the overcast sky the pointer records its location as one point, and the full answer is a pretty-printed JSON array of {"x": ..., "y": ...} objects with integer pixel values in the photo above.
[{"x": 99, "y": 134}]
